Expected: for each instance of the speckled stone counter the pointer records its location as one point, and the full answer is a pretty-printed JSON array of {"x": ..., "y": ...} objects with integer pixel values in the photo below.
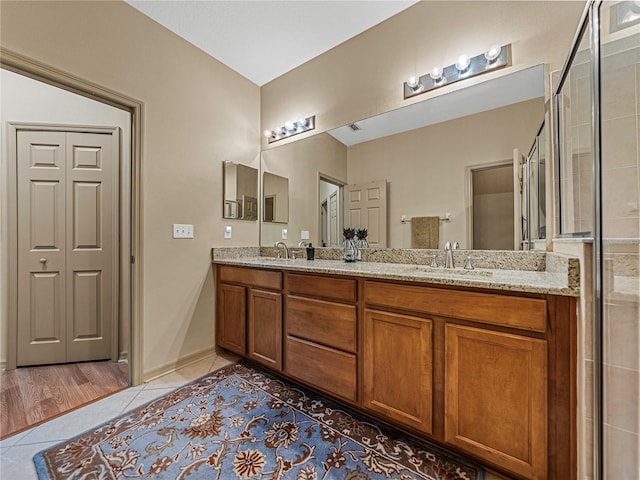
[{"x": 548, "y": 273}]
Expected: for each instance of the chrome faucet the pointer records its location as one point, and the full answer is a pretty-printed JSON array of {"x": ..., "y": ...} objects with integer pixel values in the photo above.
[
  {"x": 286, "y": 250},
  {"x": 448, "y": 254},
  {"x": 302, "y": 244}
]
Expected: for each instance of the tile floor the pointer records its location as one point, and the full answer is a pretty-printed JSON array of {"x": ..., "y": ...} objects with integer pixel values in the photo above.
[{"x": 17, "y": 451}]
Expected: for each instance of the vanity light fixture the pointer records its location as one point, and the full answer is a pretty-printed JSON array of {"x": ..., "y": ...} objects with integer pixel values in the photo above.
[
  {"x": 291, "y": 128},
  {"x": 463, "y": 63},
  {"x": 413, "y": 81},
  {"x": 465, "y": 67},
  {"x": 436, "y": 74},
  {"x": 493, "y": 53}
]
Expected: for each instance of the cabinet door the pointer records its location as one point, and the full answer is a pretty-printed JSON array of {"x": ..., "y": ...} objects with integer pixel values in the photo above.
[
  {"x": 232, "y": 318},
  {"x": 398, "y": 363},
  {"x": 496, "y": 398},
  {"x": 265, "y": 328}
]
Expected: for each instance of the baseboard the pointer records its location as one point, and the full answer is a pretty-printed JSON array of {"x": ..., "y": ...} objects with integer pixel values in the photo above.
[
  {"x": 3, "y": 365},
  {"x": 124, "y": 356},
  {"x": 173, "y": 366}
]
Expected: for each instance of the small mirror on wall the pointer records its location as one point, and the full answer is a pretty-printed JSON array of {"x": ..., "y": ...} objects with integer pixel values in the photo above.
[
  {"x": 240, "y": 191},
  {"x": 275, "y": 191}
]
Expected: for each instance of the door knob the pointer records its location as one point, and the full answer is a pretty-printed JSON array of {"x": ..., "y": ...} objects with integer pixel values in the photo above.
[{"x": 43, "y": 260}]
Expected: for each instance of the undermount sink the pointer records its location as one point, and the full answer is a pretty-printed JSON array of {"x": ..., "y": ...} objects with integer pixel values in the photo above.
[{"x": 451, "y": 271}]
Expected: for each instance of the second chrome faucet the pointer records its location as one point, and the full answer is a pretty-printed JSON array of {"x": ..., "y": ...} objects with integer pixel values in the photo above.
[{"x": 448, "y": 254}]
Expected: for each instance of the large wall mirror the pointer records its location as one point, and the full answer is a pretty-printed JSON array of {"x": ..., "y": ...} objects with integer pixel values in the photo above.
[
  {"x": 240, "y": 191},
  {"x": 424, "y": 155}
]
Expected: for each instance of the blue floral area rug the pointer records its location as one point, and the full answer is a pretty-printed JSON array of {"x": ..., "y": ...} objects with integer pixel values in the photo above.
[{"x": 243, "y": 423}]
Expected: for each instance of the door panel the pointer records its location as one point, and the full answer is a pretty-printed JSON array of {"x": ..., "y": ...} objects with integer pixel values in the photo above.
[
  {"x": 333, "y": 220},
  {"x": 41, "y": 237},
  {"x": 67, "y": 246},
  {"x": 44, "y": 213},
  {"x": 45, "y": 324},
  {"x": 91, "y": 245},
  {"x": 87, "y": 210},
  {"x": 366, "y": 207},
  {"x": 87, "y": 321}
]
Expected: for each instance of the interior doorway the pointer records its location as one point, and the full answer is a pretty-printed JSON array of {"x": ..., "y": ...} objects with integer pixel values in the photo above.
[
  {"x": 492, "y": 204},
  {"x": 330, "y": 195},
  {"x": 25, "y": 100}
]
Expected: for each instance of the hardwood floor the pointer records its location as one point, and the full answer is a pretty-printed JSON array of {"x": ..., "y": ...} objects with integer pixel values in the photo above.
[{"x": 32, "y": 395}]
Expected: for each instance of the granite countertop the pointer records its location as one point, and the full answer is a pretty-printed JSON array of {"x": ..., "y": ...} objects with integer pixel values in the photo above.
[{"x": 559, "y": 277}]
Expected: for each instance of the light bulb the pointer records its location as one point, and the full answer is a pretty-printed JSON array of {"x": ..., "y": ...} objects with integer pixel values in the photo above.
[
  {"x": 413, "y": 81},
  {"x": 493, "y": 53},
  {"x": 267, "y": 133},
  {"x": 436, "y": 73},
  {"x": 289, "y": 125},
  {"x": 302, "y": 122},
  {"x": 463, "y": 63}
]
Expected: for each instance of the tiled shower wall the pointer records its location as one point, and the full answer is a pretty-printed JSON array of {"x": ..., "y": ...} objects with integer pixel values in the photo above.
[{"x": 620, "y": 113}]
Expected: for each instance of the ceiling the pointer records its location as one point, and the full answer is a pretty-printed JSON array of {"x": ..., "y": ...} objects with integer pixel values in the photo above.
[{"x": 264, "y": 39}]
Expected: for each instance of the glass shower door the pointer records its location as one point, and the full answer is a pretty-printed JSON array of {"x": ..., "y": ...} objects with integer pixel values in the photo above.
[{"x": 620, "y": 216}]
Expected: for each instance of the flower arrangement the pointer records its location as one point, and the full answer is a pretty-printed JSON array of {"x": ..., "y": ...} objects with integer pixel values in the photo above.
[{"x": 349, "y": 248}]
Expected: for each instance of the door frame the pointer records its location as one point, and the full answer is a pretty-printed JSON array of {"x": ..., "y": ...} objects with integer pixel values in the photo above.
[
  {"x": 322, "y": 177},
  {"x": 39, "y": 71}
]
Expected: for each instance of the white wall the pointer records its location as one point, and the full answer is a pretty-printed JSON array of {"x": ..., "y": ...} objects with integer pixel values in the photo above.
[{"x": 29, "y": 101}]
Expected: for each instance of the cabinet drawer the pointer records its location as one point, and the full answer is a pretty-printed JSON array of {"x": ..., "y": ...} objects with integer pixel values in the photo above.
[
  {"x": 328, "y": 323},
  {"x": 322, "y": 367},
  {"x": 510, "y": 311},
  {"x": 253, "y": 277},
  {"x": 343, "y": 289}
]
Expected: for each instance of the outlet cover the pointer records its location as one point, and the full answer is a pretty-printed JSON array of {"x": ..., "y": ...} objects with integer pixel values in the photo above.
[
  {"x": 227, "y": 231},
  {"x": 304, "y": 235},
  {"x": 284, "y": 233}
]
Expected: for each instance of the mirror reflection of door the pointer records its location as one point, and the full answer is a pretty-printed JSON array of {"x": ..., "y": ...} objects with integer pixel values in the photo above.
[
  {"x": 323, "y": 223},
  {"x": 366, "y": 207},
  {"x": 493, "y": 203},
  {"x": 269, "y": 208},
  {"x": 275, "y": 194},
  {"x": 330, "y": 221}
]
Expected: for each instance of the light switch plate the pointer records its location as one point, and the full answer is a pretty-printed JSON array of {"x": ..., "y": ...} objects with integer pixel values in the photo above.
[
  {"x": 284, "y": 233},
  {"x": 304, "y": 235},
  {"x": 227, "y": 231},
  {"x": 182, "y": 230}
]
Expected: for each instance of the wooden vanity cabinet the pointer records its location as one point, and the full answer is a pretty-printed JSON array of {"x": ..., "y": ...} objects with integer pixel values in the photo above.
[
  {"x": 496, "y": 398},
  {"x": 264, "y": 328},
  {"x": 321, "y": 333},
  {"x": 398, "y": 368},
  {"x": 486, "y": 373},
  {"x": 249, "y": 310},
  {"x": 231, "y": 318},
  {"x": 497, "y": 368}
]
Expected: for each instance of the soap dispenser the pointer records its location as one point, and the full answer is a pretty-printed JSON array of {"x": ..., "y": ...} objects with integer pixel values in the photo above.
[{"x": 311, "y": 252}]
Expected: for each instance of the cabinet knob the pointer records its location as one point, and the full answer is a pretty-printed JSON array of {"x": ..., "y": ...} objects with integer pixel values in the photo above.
[{"x": 43, "y": 260}]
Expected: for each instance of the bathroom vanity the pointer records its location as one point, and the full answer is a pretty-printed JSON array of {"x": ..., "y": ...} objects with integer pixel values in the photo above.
[{"x": 481, "y": 362}]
